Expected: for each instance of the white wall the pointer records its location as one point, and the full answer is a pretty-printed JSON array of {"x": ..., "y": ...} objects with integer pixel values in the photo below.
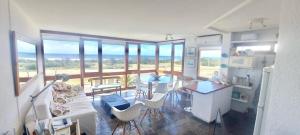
[
  {"x": 283, "y": 116},
  {"x": 13, "y": 109},
  {"x": 190, "y": 71},
  {"x": 194, "y": 42}
]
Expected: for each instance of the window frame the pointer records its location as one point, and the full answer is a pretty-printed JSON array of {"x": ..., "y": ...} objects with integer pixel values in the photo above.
[{"x": 82, "y": 37}]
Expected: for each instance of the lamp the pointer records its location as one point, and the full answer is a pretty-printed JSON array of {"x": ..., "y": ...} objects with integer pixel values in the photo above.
[{"x": 62, "y": 77}]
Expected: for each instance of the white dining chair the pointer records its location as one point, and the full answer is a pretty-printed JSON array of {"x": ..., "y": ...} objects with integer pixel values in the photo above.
[
  {"x": 141, "y": 89},
  {"x": 161, "y": 88},
  {"x": 154, "y": 104},
  {"x": 173, "y": 93},
  {"x": 127, "y": 116}
]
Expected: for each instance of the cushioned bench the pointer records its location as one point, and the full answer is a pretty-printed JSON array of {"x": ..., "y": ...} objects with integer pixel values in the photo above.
[{"x": 114, "y": 100}]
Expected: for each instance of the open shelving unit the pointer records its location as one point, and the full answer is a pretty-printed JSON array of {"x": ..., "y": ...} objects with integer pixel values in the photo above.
[
  {"x": 240, "y": 100},
  {"x": 243, "y": 87}
]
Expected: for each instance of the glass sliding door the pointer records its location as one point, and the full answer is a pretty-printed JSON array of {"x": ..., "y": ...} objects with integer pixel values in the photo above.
[
  {"x": 165, "y": 58},
  {"x": 62, "y": 57}
]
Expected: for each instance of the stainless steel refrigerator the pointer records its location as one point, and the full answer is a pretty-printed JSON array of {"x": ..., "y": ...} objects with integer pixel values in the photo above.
[{"x": 263, "y": 101}]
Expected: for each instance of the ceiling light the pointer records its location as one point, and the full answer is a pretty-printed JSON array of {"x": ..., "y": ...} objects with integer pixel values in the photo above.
[{"x": 169, "y": 37}]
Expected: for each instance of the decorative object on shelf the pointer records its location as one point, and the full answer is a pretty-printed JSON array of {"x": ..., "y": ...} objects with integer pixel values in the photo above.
[
  {"x": 224, "y": 55},
  {"x": 62, "y": 77},
  {"x": 236, "y": 94},
  {"x": 191, "y": 52},
  {"x": 190, "y": 63}
]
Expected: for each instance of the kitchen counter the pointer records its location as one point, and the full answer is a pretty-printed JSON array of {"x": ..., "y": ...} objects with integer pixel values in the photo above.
[
  {"x": 205, "y": 87},
  {"x": 208, "y": 98}
]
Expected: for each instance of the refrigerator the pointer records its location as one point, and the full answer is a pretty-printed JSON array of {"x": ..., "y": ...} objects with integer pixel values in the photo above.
[{"x": 262, "y": 106}]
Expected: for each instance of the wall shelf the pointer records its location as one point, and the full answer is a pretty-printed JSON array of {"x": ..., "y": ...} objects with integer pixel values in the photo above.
[
  {"x": 240, "y": 100},
  {"x": 253, "y": 41}
]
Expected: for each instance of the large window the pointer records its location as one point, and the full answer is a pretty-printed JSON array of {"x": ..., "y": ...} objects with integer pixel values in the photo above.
[
  {"x": 148, "y": 52},
  {"x": 178, "y": 57},
  {"x": 209, "y": 62},
  {"x": 61, "y": 57},
  {"x": 113, "y": 58},
  {"x": 132, "y": 57},
  {"x": 165, "y": 57},
  {"x": 90, "y": 59}
]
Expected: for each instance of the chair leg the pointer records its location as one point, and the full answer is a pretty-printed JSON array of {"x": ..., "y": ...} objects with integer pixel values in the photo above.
[
  {"x": 124, "y": 129},
  {"x": 115, "y": 127},
  {"x": 144, "y": 115},
  {"x": 166, "y": 97},
  {"x": 137, "y": 128},
  {"x": 161, "y": 114}
]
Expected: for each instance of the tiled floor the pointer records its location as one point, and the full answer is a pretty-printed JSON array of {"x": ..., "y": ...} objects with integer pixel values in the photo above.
[{"x": 175, "y": 121}]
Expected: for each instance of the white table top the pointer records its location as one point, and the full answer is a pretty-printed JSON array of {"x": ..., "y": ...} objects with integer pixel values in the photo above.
[{"x": 104, "y": 86}]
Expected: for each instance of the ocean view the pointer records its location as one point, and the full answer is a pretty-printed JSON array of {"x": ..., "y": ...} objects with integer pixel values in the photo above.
[{"x": 90, "y": 57}]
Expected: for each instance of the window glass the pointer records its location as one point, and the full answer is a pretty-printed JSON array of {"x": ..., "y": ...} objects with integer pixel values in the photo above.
[
  {"x": 113, "y": 58},
  {"x": 132, "y": 56},
  {"x": 210, "y": 61},
  {"x": 148, "y": 56},
  {"x": 61, "y": 57},
  {"x": 165, "y": 56},
  {"x": 91, "y": 56},
  {"x": 178, "y": 57}
]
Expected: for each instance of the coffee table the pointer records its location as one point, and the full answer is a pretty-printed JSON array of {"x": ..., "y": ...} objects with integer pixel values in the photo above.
[{"x": 113, "y": 100}]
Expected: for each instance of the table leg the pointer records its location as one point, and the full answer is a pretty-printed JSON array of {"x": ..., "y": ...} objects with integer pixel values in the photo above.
[
  {"x": 93, "y": 94},
  {"x": 149, "y": 90}
]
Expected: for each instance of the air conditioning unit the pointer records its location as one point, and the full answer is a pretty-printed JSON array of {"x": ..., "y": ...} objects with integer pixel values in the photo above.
[{"x": 210, "y": 40}]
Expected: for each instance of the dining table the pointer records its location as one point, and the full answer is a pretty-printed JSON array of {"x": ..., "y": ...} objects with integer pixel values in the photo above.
[{"x": 155, "y": 80}]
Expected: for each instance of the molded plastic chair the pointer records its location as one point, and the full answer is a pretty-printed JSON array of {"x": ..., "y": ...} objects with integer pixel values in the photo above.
[
  {"x": 128, "y": 115},
  {"x": 141, "y": 89},
  {"x": 154, "y": 104},
  {"x": 173, "y": 93}
]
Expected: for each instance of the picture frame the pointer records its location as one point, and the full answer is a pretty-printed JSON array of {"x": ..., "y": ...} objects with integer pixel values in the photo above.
[
  {"x": 191, "y": 63},
  {"x": 191, "y": 52}
]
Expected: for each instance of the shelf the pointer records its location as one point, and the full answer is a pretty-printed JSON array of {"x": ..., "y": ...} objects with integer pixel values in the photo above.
[
  {"x": 254, "y": 41},
  {"x": 240, "y": 100},
  {"x": 243, "y": 87}
]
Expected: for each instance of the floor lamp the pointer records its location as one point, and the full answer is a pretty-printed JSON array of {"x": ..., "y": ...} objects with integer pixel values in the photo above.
[{"x": 62, "y": 77}]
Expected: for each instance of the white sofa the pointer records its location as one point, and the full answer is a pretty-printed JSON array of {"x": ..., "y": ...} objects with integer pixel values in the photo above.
[{"x": 80, "y": 108}]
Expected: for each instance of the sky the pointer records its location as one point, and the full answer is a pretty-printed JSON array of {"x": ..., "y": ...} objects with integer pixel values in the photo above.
[
  {"x": 91, "y": 47},
  {"x": 25, "y": 47}
]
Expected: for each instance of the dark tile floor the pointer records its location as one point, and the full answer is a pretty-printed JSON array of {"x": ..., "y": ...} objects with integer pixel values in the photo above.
[{"x": 175, "y": 121}]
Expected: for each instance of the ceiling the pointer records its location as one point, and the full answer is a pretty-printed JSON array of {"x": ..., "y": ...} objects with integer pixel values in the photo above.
[
  {"x": 145, "y": 19},
  {"x": 240, "y": 20}
]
